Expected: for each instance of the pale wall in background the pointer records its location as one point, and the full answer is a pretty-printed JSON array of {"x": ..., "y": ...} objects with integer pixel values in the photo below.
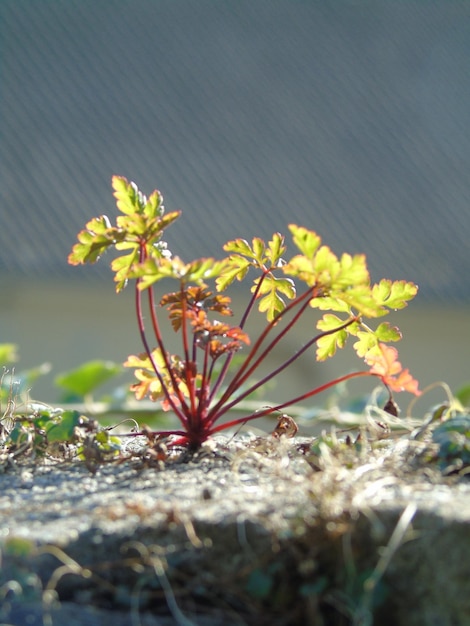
[{"x": 67, "y": 326}]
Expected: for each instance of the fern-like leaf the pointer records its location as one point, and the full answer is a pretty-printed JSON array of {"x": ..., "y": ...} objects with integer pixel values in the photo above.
[
  {"x": 329, "y": 343},
  {"x": 272, "y": 292},
  {"x": 394, "y": 295},
  {"x": 384, "y": 363}
]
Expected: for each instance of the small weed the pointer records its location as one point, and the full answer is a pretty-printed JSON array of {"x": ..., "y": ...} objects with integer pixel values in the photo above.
[
  {"x": 195, "y": 384},
  {"x": 61, "y": 434},
  {"x": 450, "y": 445}
]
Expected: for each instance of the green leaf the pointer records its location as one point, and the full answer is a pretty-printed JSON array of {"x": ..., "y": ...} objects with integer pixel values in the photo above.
[
  {"x": 129, "y": 199},
  {"x": 272, "y": 304},
  {"x": 245, "y": 256},
  {"x": 97, "y": 236},
  {"x": 64, "y": 429},
  {"x": 327, "y": 303},
  {"x": 123, "y": 265},
  {"x": 152, "y": 270},
  {"x": 325, "y": 265},
  {"x": 201, "y": 270},
  {"x": 453, "y": 440},
  {"x": 258, "y": 253},
  {"x": 276, "y": 249},
  {"x": 307, "y": 241},
  {"x": 352, "y": 271},
  {"x": 272, "y": 289},
  {"x": 86, "y": 378},
  {"x": 394, "y": 295},
  {"x": 108, "y": 444},
  {"x": 384, "y": 332},
  {"x": 358, "y": 298},
  {"x": 154, "y": 206},
  {"x": 463, "y": 395},
  {"x": 239, "y": 247},
  {"x": 8, "y": 353},
  {"x": 320, "y": 269},
  {"x": 258, "y": 250},
  {"x": 328, "y": 344},
  {"x": 198, "y": 271},
  {"x": 168, "y": 219},
  {"x": 366, "y": 341},
  {"x": 236, "y": 268},
  {"x": 18, "y": 548},
  {"x": 139, "y": 229},
  {"x": 135, "y": 226},
  {"x": 18, "y": 435},
  {"x": 361, "y": 299}
]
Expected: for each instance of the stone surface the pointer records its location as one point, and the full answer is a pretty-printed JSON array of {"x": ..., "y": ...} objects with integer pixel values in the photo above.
[{"x": 254, "y": 531}]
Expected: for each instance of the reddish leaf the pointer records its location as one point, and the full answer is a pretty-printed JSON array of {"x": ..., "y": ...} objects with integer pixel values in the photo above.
[{"x": 384, "y": 363}]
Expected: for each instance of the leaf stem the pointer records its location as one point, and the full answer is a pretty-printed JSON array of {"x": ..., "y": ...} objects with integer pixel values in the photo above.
[
  {"x": 242, "y": 374},
  {"x": 143, "y": 336},
  {"x": 300, "y": 398},
  {"x": 214, "y": 416},
  {"x": 228, "y": 360},
  {"x": 188, "y": 363}
]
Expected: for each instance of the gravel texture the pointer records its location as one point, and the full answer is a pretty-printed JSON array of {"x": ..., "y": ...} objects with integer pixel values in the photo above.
[{"x": 248, "y": 531}]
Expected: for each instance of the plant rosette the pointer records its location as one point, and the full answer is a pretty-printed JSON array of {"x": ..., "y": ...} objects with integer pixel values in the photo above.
[{"x": 204, "y": 382}]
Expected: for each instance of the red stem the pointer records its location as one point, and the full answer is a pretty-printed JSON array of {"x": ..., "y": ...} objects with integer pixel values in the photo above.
[
  {"x": 156, "y": 329},
  {"x": 188, "y": 363},
  {"x": 304, "y": 396},
  {"x": 242, "y": 375},
  {"x": 213, "y": 417},
  {"x": 228, "y": 360},
  {"x": 158, "y": 336},
  {"x": 204, "y": 397}
]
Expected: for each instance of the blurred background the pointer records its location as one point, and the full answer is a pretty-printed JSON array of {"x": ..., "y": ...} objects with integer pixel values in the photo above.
[{"x": 351, "y": 118}]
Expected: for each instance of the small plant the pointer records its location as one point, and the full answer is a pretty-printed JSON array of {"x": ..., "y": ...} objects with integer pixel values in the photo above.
[{"x": 198, "y": 384}]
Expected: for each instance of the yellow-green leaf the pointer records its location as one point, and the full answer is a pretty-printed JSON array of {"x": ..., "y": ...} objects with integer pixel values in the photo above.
[
  {"x": 154, "y": 206},
  {"x": 272, "y": 304},
  {"x": 276, "y": 249},
  {"x": 394, "y": 295},
  {"x": 129, "y": 199},
  {"x": 366, "y": 341},
  {"x": 122, "y": 266},
  {"x": 384, "y": 332},
  {"x": 272, "y": 289},
  {"x": 328, "y": 344},
  {"x": 353, "y": 271},
  {"x": 239, "y": 247},
  {"x": 93, "y": 240},
  {"x": 307, "y": 241},
  {"x": 235, "y": 268}
]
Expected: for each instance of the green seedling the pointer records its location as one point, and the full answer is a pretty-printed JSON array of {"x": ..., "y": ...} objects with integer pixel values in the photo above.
[
  {"x": 199, "y": 385},
  {"x": 83, "y": 380},
  {"x": 47, "y": 430}
]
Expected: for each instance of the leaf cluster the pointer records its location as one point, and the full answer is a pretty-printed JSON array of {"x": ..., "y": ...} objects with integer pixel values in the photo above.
[
  {"x": 270, "y": 289},
  {"x": 342, "y": 285},
  {"x": 138, "y": 231},
  {"x": 339, "y": 285},
  {"x": 51, "y": 431},
  {"x": 282, "y": 289}
]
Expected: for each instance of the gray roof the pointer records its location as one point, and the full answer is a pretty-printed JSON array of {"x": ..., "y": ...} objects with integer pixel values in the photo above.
[{"x": 349, "y": 117}]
